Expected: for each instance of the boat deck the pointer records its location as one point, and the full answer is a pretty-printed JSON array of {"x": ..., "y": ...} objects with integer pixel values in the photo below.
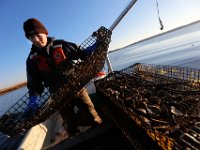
[{"x": 104, "y": 137}]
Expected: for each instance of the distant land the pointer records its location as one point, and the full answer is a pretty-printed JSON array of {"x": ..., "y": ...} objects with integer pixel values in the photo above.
[{"x": 11, "y": 88}]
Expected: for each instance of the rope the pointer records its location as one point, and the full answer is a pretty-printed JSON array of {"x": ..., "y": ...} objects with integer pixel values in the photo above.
[{"x": 160, "y": 21}]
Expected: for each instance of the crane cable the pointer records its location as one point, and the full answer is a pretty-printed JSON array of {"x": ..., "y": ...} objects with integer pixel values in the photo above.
[{"x": 160, "y": 21}]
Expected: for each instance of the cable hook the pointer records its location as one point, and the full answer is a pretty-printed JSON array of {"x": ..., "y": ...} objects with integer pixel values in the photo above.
[{"x": 160, "y": 21}]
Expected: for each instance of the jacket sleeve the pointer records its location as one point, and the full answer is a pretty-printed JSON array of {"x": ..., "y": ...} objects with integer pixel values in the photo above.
[
  {"x": 34, "y": 82},
  {"x": 73, "y": 51}
]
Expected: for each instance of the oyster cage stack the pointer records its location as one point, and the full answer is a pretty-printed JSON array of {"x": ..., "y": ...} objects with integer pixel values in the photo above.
[
  {"x": 15, "y": 120},
  {"x": 154, "y": 105}
]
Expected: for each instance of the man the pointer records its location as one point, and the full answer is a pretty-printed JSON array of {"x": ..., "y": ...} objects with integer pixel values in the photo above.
[{"x": 42, "y": 68}]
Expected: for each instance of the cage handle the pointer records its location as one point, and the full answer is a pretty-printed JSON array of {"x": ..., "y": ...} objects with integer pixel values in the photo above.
[{"x": 115, "y": 23}]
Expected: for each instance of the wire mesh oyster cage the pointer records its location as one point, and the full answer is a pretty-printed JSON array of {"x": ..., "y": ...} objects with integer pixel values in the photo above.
[
  {"x": 163, "y": 100},
  {"x": 72, "y": 81},
  {"x": 15, "y": 119}
]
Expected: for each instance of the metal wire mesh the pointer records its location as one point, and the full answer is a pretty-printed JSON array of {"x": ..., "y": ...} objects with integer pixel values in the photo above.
[
  {"x": 163, "y": 100},
  {"x": 190, "y": 76},
  {"x": 13, "y": 122}
]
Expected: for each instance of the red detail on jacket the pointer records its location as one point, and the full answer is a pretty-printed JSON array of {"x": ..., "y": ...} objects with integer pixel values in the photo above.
[
  {"x": 43, "y": 62},
  {"x": 58, "y": 55}
]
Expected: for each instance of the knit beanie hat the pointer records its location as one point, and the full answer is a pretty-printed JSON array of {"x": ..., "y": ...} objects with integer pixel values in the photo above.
[{"x": 34, "y": 26}]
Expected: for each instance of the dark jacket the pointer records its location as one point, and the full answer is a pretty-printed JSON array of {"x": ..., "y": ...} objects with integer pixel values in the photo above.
[{"x": 42, "y": 64}]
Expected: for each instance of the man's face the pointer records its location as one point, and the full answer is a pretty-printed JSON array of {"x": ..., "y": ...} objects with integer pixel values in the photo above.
[{"x": 39, "y": 40}]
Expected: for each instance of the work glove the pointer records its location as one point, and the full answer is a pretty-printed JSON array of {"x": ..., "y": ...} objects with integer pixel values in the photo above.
[
  {"x": 33, "y": 104},
  {"x": 90, "y": 49}
]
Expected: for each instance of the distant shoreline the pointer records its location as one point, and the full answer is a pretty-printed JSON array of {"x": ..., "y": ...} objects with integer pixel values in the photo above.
[{"x": 11, "y": 88}]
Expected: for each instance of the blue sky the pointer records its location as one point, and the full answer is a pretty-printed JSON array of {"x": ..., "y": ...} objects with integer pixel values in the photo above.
[{"x": 75, "y": 20}]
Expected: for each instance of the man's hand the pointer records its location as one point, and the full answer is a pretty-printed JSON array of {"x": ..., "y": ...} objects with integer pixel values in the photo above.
[
  {"x": 90, "y": 49},
  {"x": 33, "y": 104}
]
